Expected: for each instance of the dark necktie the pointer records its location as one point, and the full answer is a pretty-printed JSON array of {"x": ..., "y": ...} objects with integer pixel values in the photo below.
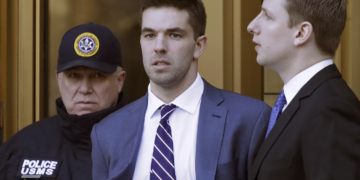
[
  {"x": 276, "y": 111},
  {"x": 162, "y": 163}
]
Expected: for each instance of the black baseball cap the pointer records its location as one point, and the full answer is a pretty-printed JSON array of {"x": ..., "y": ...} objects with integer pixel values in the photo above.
[{"x": 91, "y": 45}]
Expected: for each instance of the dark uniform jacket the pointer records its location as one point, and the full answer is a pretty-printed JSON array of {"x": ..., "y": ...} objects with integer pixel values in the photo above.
[{"x": 58, "y": 147}]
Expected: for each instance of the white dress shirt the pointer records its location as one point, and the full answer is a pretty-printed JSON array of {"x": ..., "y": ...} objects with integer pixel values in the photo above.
[
  {"x": 184, "y": 125},
  {"x": 297, "y": 82}
]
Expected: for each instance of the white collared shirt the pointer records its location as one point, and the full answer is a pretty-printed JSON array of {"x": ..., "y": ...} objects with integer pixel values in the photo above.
[
  {"x": 183, "y": 122},
  {"x": 297, "y": 82}
]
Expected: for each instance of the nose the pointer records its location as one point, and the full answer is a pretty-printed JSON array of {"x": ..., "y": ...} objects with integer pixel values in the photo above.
[
  {"x": 253, "y": 28},
  {"x": 85, "y": 87},
  {"x": 160, "y": 44}
]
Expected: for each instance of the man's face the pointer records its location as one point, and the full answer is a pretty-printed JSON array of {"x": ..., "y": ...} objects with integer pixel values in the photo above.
[
  {"x": 274, "y": 39},
  {"x": 168, "y": 46},
  {"x": 85, "y": 90}
]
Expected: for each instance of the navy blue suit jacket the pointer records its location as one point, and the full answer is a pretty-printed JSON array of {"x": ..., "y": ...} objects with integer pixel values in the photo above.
[{"x": 229, "y": 126}]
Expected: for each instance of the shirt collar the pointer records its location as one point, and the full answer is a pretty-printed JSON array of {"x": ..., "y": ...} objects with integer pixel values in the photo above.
[
  {"x": 297, "y": 82},
  {"x": 187, "y": 101},
  {"x": 78, "y": 128}
]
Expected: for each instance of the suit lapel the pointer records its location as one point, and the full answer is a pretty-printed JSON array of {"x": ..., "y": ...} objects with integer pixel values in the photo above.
[
  {"x": 280, "y": 125},
  {"x": 210, "y": 133},
  {"x": 259, "y": 142},
  {"x": 137, "y": 116},
  {"x": 325, "y": 74}
]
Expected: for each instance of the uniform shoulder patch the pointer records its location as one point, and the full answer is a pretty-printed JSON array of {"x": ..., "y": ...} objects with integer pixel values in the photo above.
[
  {"x": 38, "y": 168},
  {"x": 86, "y": 44}
]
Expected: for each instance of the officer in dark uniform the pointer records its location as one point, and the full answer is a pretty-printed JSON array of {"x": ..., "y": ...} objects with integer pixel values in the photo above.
[{"x": 90, "y": 79}]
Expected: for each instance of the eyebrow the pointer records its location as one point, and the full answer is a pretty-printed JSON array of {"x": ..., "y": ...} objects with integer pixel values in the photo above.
[
  {"x": 146, "y": 29},
  {"x": 176, "y": 29},
  {"x": 266, "y": 11}
]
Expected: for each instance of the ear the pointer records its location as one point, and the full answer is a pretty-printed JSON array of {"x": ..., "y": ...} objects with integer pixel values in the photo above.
[
  {"x": 58, "y": 78},
  {"x": 121, "y": 79},
  {"x": 200, "y": 46},
  {"x": 303, "y": 34}
]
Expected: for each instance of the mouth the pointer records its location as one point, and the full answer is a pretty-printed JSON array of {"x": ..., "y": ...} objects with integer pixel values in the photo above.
[
  {"x": 257, "y": 45},
  {"x": 160, "y": 63},
  {"x": 256, "y": 42},
  {"x": 86, "y": 102}
]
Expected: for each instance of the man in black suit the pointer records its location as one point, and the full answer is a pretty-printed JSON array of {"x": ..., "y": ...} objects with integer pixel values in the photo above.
[{"x": 314, "y": 129}]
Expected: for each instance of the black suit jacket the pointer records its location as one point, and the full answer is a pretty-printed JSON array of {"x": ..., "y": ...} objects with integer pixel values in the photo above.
[{"x": 317, "y": 137}]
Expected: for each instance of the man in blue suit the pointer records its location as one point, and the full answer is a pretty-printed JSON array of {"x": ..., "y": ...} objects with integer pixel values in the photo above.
[{"x": 183, "y": 128}]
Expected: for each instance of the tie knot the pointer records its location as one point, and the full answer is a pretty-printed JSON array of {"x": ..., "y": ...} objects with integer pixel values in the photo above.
[{"x": 166, "y": 111}]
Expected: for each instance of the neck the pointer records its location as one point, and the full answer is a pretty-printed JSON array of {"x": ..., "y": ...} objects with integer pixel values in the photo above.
[
  {"x": 169, "y": 94},
  {"x": 298, "y": 64}
]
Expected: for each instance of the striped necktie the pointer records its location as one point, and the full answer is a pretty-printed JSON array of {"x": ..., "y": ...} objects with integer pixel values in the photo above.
[
  {"x": 276, "y": 111},
  {"x": 162, "y": 164}
]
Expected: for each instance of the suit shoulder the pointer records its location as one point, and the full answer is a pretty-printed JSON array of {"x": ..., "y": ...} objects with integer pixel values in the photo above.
[
  {"x": 241, "y": 100},
  {"x": 332, "y": 91},
  {"x": 331, "y": 102},
  {"x": 35, "y": 133},
  {"x": 44, "y": 126},
  {"x": 234, "y": 101},
  {"x": 333, "y": 106},
  {"x": 122, "y": 113}
]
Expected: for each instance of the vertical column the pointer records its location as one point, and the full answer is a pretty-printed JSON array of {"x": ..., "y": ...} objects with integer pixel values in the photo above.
[
  {"x": 21, "y": 50},
  {"x": 232, "y": 45},
  {"x": 350, "y": 45},
  {"x": 26, "y": 46},
  {"x": 237, "y": 52},
  {"x": 39, "y": 60},
  {"x": 241, "y": 72},
  {"x": 9, "y": 14},
  {"x": 3, "y": 39},
  {"x": 251, "y": 72},
  {"x": 211, "y": 62},
  {"x": 1, "y": 123},
  {"x": 228, "y": 47}
]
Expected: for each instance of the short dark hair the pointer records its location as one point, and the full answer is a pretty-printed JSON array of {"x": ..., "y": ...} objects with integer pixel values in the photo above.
[
  {"x": 328, "y": 18},
  {"x": 195, "y": 8}
]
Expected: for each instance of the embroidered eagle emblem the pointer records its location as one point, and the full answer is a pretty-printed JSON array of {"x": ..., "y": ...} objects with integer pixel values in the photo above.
[{"x": 86, "y": 45}]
